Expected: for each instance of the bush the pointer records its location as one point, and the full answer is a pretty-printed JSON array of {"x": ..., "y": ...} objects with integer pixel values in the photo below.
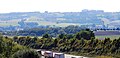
[{"x": 26, "y": 54}]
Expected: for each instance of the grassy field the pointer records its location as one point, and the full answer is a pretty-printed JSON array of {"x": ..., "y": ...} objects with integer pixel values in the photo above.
[
  {"x": 9, "y": 22},
  {"x": 108, "y": 36},
  {"x": 41, "y": 21},
  {"x": 103, "y": 57},
  {"x": 45, "y": 23}
]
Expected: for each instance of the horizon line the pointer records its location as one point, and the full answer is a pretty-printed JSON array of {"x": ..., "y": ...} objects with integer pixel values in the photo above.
[{"x": 56, "y": 11}]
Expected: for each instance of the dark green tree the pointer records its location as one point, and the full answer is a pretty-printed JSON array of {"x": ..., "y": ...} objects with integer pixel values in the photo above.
[
  {"x": 85, "y": 34},
  {"x": 46, "y": 36}
]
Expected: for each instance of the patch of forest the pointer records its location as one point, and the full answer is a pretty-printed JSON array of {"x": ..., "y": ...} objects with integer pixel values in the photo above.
[{"x": 52, "y": 31}]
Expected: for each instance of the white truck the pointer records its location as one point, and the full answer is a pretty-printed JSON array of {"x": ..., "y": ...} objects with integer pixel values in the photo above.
[
  {"x": 48, "y": 54},
  {"x": 58, "y": 55}
]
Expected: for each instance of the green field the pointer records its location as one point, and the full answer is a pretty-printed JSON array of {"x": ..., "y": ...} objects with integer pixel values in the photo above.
[
  {"x": 108, "y": 36},
  {"x": 43, "y": 23},
  {"x": 9, "y": 22}
]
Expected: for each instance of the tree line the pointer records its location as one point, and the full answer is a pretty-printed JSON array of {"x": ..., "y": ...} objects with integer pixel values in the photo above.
[{"x": 52, "y": 31}]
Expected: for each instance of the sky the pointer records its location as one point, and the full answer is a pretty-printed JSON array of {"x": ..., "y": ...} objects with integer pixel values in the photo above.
[{"x": 7, "y": 6}]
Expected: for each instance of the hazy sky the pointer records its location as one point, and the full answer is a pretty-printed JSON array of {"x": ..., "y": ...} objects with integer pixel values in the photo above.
[{"x": 58, "y": 5}]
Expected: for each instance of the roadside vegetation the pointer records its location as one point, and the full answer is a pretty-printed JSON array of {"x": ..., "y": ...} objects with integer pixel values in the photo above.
[
  {"x": 9, "y": 47},
  {"x": 81, "y": 43},
  {"x": 26, "y": 53}
]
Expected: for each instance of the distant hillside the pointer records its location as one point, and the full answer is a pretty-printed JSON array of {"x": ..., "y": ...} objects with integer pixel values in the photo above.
[{"x": 86, "y": 16}]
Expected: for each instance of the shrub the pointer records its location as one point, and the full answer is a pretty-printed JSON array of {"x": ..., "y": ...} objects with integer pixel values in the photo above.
[{"x": 26, "y": 54}]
